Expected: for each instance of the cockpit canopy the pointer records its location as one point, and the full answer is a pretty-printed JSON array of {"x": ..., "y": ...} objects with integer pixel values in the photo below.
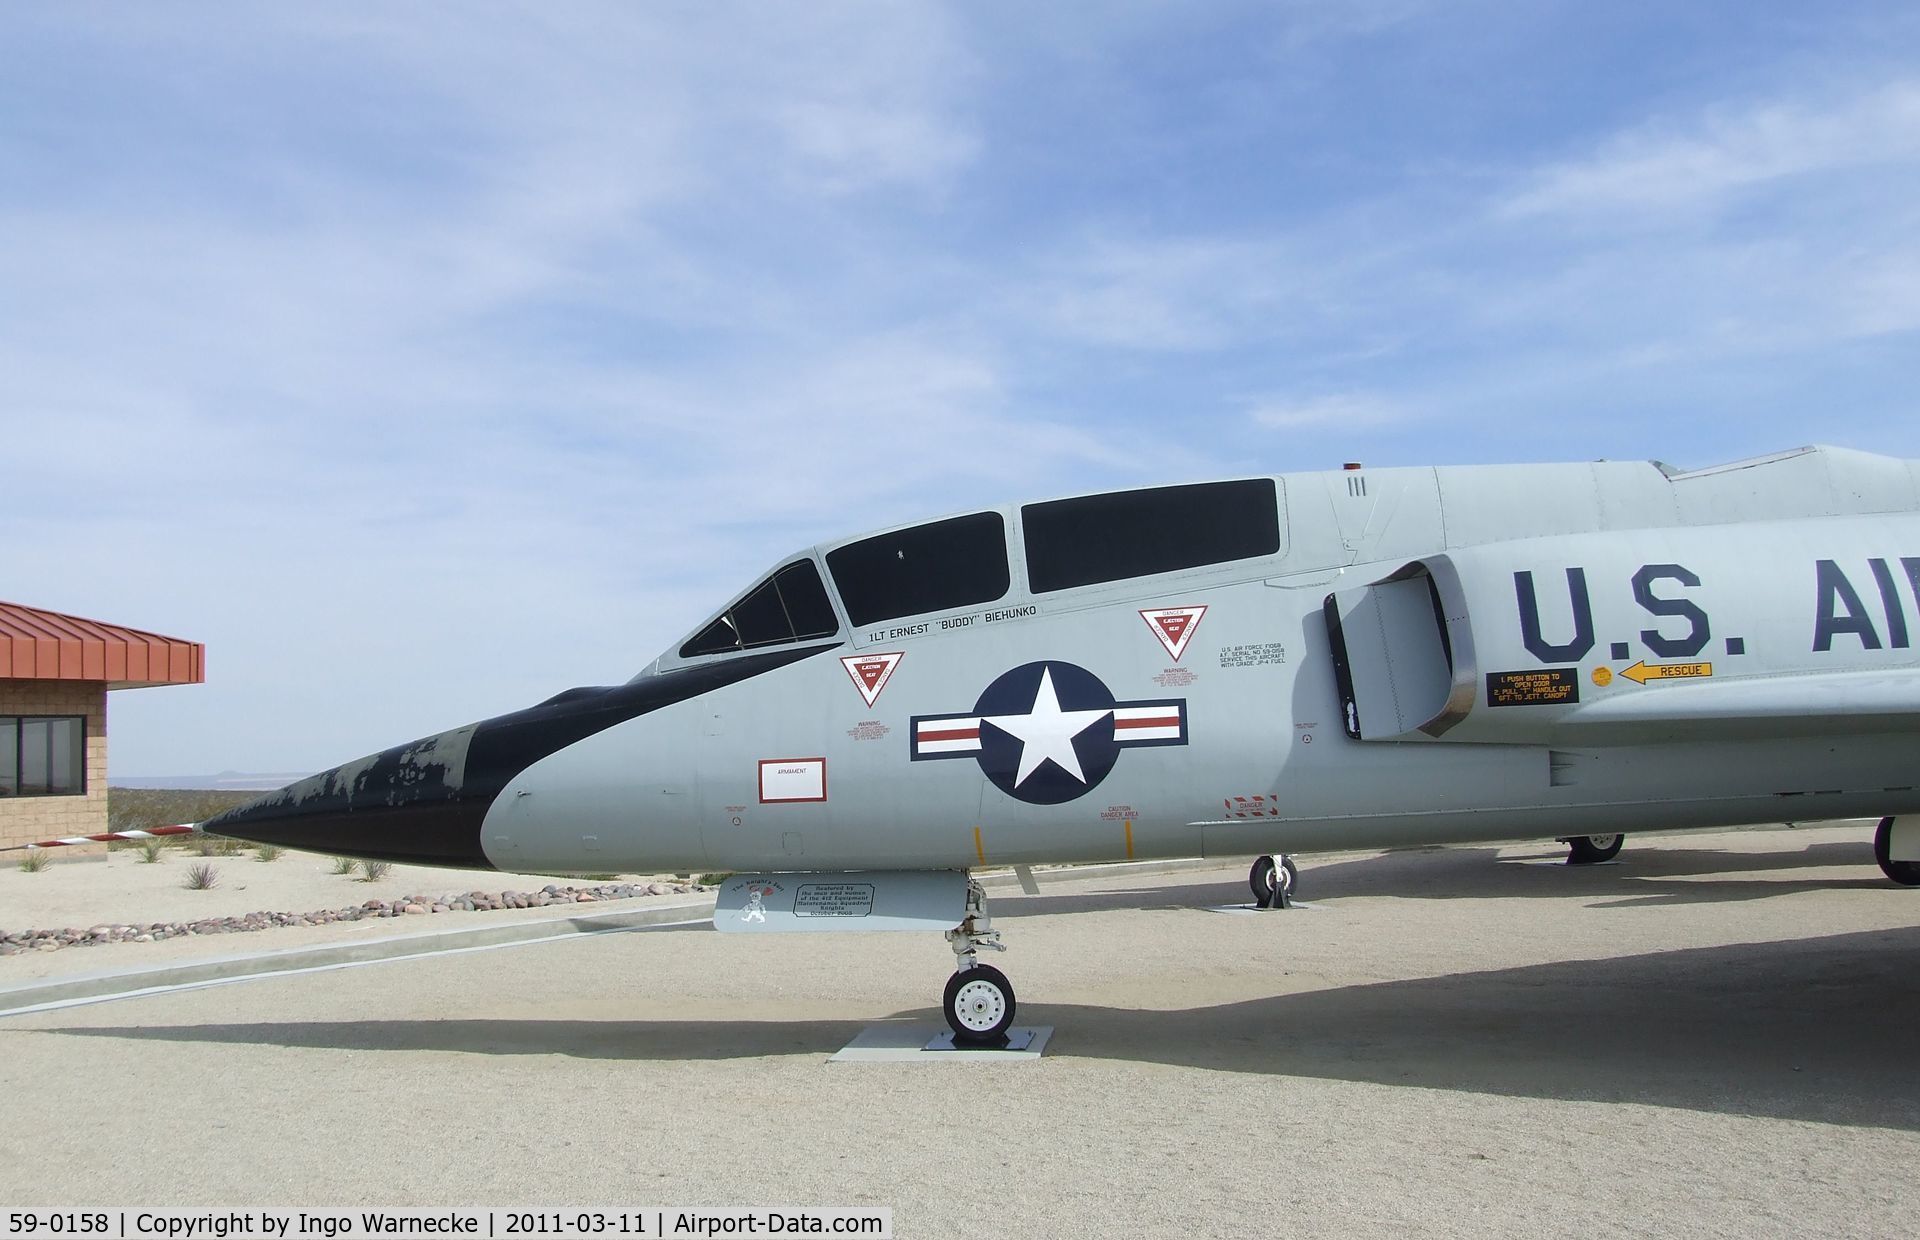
[
  {"x": 1094, "y": 539},
  {"x": 791, "y": 605},
  {"x": 960, "y": 562}
]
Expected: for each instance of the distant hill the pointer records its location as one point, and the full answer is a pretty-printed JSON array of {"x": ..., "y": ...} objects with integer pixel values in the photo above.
[
  {"x": 138, "y": 809},
  {"x": 225, "y": 781}
]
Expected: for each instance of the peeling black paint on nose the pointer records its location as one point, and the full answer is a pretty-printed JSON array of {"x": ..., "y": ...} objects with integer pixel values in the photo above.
[
  {"x": 420, "y": 803},
  {"x": 423, "y": 803}
]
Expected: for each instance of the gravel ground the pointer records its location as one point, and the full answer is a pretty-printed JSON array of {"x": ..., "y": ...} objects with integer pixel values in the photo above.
[
  {"x": 122, "y": 890},
  {"x": 1712, "y": 1036}
]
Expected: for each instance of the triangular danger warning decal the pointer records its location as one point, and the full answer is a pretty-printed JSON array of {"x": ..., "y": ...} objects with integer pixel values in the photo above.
[
  {"x": 1174, "y": 626},
  {"x": 871, "y": 672}
]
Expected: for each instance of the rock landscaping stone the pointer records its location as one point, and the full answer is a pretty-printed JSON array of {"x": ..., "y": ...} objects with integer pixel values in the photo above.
[{"x": 12, "y": 943}]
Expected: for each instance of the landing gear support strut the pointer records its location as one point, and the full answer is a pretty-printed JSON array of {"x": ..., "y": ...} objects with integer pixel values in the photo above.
[
  {"x": 1274, "y": 878},
  {"x": 1593, "y": 849},
  {"x": 979, "y": 999}
]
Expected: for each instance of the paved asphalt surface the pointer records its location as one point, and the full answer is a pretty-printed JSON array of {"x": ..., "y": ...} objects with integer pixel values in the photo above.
[{"x": 1714, "y": 1036}]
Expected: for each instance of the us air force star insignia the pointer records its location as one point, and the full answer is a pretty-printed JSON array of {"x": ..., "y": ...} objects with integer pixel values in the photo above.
[{"x": 1048, "y": 732}]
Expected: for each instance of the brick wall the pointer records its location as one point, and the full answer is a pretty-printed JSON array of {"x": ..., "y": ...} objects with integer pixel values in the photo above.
[{"x": 24, "y": 819}]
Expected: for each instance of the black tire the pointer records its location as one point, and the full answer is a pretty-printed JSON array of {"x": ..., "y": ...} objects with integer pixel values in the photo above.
[
  {"x": 1268, "y": 880},
  {"x": 1906, "y": 873},
  {"x": 1593, "y": 849},
  {"x": 979, "y": 1005}
]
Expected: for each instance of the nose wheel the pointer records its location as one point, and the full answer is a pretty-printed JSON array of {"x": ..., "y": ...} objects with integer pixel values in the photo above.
[
  {"x": 1906, "y": 873},
  {"x": 1274, "y": 879},
  {"x": 1593, "y": 849},
  {"x": 979, "y": 1005},
  {"x": 978, "y": 1002}
]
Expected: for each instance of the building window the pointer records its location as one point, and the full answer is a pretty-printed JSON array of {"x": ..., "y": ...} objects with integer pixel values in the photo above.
[{"x": 43, "y": 757}]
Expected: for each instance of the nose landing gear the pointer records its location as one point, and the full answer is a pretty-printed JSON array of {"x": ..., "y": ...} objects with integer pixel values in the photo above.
[
  {"x": 1906, "y": 873},
  {"x": 978, "y": 1002},
  {"x": 1274, "y": 879},
  {"x": 1593, "y": 849}
]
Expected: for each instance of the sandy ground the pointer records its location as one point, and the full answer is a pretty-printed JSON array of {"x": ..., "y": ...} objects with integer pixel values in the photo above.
[{"x": 1712, "y": 1036}]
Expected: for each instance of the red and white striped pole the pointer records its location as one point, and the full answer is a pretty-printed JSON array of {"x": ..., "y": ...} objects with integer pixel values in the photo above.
[{"x": 107, "y": 837}]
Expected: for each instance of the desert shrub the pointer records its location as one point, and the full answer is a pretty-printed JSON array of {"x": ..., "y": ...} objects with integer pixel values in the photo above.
[
  {"x": 345, "y": 865},
  {"x": 202, "y": 877},
  {"x": 36, "y": 860},
  {"x": 268, "y": 852},
  {"x": 374, "y": 871},
  {"x": 151, "y": 850}
]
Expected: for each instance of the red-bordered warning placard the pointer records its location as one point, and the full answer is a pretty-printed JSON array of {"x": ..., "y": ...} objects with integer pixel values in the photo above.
[
  {"x": 871, "y": 672},
  {"x": 1174, "y": 626},
  {"x": 792, "y": 779}
]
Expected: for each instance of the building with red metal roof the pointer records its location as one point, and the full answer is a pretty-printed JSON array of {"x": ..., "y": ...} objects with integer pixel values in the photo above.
[{"x": 55, "y": 673}]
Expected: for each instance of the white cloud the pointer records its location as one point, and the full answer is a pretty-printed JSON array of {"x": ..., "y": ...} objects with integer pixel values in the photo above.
[
  {"x": 1131, "y": 289},
  {"x": 1346, "y": 411},
  {"x": 1666, "y": 168}
]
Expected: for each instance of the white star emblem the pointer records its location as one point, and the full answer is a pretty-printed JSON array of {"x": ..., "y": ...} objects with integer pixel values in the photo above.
[{"x": 1046, "y": 733}]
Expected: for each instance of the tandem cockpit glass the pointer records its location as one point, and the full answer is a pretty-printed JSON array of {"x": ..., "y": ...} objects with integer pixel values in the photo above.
[{"x": 961, "y": 562}]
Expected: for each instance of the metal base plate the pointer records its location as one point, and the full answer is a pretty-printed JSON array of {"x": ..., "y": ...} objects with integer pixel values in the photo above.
[
  {"x": 1016, "y": 1038},
  {"x": 1558, "y": 862},
  {"x": 934, "y": 1044}
]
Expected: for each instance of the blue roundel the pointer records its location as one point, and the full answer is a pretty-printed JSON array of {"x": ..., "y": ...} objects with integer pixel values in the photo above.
[{"x": 1046, "y": 732}]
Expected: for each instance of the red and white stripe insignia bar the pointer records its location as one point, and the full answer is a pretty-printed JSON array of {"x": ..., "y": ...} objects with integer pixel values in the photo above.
[
  {"x": 946, "y": 736},
  {"x": 1138, "y": 723},
  {"x": 1160, "y": 722}
]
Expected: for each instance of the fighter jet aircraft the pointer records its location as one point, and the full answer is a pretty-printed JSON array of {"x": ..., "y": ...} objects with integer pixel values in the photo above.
[{"x": 1268, "y": 665}]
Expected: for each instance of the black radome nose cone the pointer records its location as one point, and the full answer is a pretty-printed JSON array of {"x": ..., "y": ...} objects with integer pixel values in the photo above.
[
  {"x": 411, "y": 804},
  {"x": 424, "y": 803}
]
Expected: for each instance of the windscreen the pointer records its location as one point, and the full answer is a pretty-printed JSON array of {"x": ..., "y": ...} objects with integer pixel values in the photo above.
[{"x": 791, "y": 605}]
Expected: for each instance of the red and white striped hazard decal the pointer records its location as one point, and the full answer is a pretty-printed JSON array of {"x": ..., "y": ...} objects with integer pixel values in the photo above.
[{"x": 108, "y": 837}]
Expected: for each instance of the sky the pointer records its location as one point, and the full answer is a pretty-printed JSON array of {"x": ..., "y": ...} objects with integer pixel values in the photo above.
[{"x": 424, "y": 360}]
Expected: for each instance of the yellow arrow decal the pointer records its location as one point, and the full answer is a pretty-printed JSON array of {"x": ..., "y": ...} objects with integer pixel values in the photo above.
[{"x": 1641, "y": 673}]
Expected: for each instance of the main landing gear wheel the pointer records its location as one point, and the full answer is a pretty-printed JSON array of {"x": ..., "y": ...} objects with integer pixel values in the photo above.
[
  {"x": 1274, "y": 880},
  {"x": 979, "y": 1005},
  {"x": 1593, "y": 849},
  {"x": 1906, "y": 873}
]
